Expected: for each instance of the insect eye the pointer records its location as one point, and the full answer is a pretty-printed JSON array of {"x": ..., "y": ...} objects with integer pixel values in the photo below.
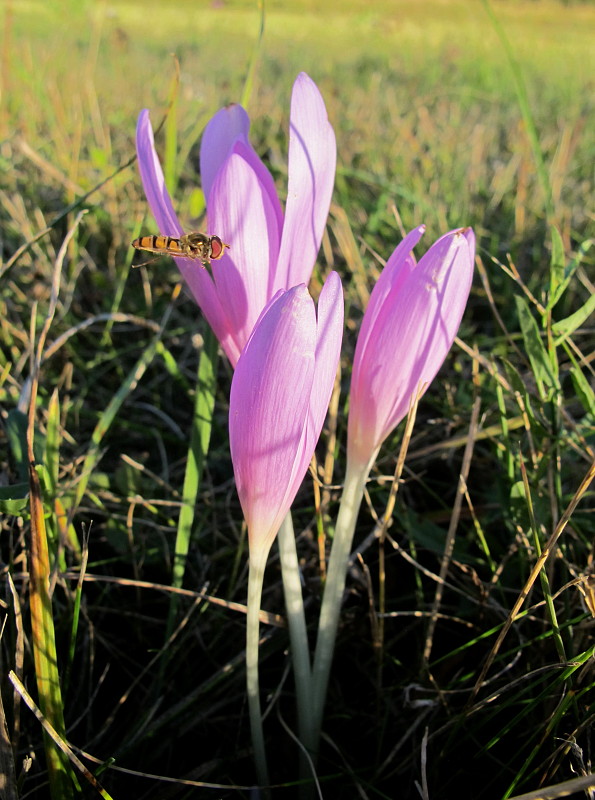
[{"x": 216, "y": 247}]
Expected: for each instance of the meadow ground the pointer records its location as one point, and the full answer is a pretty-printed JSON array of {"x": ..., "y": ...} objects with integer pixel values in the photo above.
[{"x": 445, "y": 113}]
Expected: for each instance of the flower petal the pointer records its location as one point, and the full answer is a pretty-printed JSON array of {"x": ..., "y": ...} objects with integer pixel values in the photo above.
[
  {"x": 229, "y": 126},
  {"x": 397, "y": 269},
  {"x": 311, "y": 174},
  {"x": 198, "y": 279},
  {"x": 240, "y": 212},
  {"x": 329, "y": 336},
  {"x": 153, "y": 180},
  {"x": 219, "y": 136},
  {"x": 270, "y": 393}
]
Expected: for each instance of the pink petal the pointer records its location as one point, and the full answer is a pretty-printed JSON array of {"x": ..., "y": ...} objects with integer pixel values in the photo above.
[
  {"x": 229, "y": 126},
  {"x": 240, "y": 212},
  {"x": 270, "y": 393},
  {"x": 198, "y": 279},
  {"x": 311, "y": 174},
  {"x": 397, "y": 269},
  {"x": 153, "y": 180},
  {"x": 411, "y": 336},
  {"x": 219, "y": 136},
  {"x": 329, "y": 333},
  {"x": 328, "y": 349}
]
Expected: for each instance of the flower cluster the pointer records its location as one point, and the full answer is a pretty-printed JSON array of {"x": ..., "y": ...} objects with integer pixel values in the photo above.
[{"x": 286, "y": 356}]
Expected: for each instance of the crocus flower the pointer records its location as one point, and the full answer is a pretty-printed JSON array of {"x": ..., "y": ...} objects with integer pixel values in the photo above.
[
  {"x": 279, "y": 397},
  {"x": 269, "y": 249},
  {"x": 409, "y": 326}
]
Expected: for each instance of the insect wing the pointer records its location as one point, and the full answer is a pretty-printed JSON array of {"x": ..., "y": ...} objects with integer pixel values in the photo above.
[{"x": 196, "y": 240}]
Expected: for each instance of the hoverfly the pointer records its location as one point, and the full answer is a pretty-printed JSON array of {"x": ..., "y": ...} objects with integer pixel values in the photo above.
[{"x": 197, "y": 246}]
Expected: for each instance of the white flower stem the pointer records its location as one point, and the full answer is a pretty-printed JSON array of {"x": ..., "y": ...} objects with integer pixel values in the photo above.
[
  {"x": 255, "y": 580},
  {"x": 300, "y": 652},
  {"x": 353, "y": 492}
]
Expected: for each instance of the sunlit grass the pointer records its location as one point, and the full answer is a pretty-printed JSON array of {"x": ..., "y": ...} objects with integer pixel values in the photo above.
[
  {"x": 427, "y": 81},
  {"x": 211, "y": 39}
]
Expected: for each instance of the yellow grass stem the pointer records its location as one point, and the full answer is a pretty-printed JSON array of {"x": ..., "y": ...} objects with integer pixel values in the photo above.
[
  {"x": 454, "y": 521},
  {"x": 543, "y": 557},
  {"x": 384, "y": 524},
  {"x": 40, "y": 604},
  {"x": 43, "y": 640},
  {"x": 56, "y": 737}
]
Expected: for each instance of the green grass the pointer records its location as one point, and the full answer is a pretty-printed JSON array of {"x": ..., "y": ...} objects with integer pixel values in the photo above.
[{"x": 423, "y": 101}]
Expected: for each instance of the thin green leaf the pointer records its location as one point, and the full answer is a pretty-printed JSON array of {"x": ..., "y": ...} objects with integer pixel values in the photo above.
[
  {"x": 583, "y": 389},
  {"x": 557, "y": 263},
  {"x": 533, "y": 410},
  {"x": 16, "y": 431},
  {"x": 130, "y": 382},
  {"x": 569, "y": 698},
  {"x": 569, "y": 271},
  {"x": 249, "y": 83},
  {"x": 543, "y": 577},
  {"x": 196, "y": 201},
  {"x": 44, "y": 642},
  {"x": 52, "y": 444},
  {"x": 565, "y": 327},
  {"x": 120, "y": 284},
  {"x": 200, "y": 436},
  {"x": 76, "y": 611},
  {"x": 534, "y": 346},
  {"x": 171, "y": 365},
  {"x": 14, "y": 499}
]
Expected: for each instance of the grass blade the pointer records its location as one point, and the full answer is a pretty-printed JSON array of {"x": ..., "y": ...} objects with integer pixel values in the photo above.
[
  {"x": 249, "y": 82},
  {"x": 171, "y": 133},
  {"x": 200, "y": 436},
  {"x": 44, "y": 641},
  {"x": 127, "y": 387}
]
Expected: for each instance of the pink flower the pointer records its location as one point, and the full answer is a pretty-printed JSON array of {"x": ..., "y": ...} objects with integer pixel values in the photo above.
[
  {"x": 409, "y": 326},
  {"x": 269, "y": 250},
  {"x": 279, "y": 397}
]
